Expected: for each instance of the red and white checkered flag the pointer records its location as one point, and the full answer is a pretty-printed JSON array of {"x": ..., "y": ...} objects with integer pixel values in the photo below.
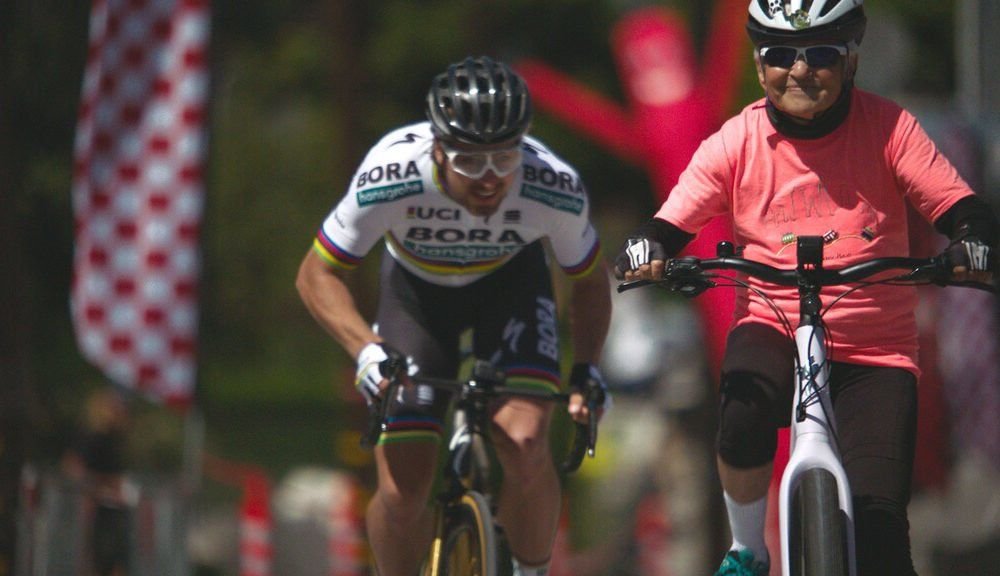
[{"x": 137, "y": 193}]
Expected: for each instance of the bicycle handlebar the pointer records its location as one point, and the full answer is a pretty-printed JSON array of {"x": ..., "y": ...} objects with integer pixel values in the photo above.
[
  {"x": 688, "y": 275},
  {"x": 486, "y": 383}
]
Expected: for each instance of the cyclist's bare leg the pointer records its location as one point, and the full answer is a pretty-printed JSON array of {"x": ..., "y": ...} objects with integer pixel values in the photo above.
[
  {"x": 399, "y": 520},
  {"x": 530, "y": 497},
  {"x": 745, "y": 485},
  {"x": 746, "y": 505}
]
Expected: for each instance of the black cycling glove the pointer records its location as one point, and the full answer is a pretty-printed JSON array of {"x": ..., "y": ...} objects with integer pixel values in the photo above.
[
  {"x": 586, "y": 379},
  {"x": 971, "y": 253},
  {"x": 655, "y": 240},
  {"x": 637, "y": 252}
]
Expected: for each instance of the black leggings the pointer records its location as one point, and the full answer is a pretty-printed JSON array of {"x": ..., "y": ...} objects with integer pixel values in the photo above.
[{"x": 876, "y": 414}]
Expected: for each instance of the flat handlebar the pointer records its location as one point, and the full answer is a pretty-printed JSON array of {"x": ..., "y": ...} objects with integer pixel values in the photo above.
[{"x": 689, "y": 276}]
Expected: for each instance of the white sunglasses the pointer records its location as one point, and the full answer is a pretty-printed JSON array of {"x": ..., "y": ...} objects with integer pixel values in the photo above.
[{"x": 475, "y": 164}]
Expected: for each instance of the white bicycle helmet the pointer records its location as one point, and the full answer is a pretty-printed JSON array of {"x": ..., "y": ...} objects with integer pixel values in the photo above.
[{"x": 775, "y": 21}]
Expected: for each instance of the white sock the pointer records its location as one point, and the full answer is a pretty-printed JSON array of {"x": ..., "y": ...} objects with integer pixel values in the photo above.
[
  {"x": 747, "y": 521},
  {"x": 522, "y": 570}
]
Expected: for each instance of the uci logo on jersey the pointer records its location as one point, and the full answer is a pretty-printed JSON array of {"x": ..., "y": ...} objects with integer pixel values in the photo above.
[{"x": 430, "y": 213}]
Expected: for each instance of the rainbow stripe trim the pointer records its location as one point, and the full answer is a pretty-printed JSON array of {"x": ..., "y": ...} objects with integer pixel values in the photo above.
[
  {"x": 445, "y": 268},
  {"x": 587, "y": 265},
  {"x": 411, "y": 429},
  {"x": 532, "y": 377},
  {"x": 333, "y": 254}
]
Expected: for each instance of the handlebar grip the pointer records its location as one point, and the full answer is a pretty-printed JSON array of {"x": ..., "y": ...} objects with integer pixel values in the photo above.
[
  {"x": 391, "y": 368},
  {"x": 578, "y": 450},
  {"x": 585, "y": 436},
  {"x": 394, "y": 366},
  {"x": 374, "y": 428}
]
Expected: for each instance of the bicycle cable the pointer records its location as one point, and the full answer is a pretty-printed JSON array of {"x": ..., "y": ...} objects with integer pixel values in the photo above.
[{"x": 806, "y": 397}]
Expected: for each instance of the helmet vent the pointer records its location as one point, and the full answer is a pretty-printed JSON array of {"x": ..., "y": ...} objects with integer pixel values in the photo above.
[{"x": 828, "y": 6}]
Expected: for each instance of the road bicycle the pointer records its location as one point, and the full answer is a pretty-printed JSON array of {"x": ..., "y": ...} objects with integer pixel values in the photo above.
[
  {"x": 816, "y": 517},
  {"x": 466, "y": 538}
]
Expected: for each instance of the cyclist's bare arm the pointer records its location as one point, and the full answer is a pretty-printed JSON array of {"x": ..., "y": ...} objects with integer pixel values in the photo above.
[
  {"x": 590, "y": 314},
  {"x": 330, "y": 302},
  {"x": 589, "y": 317}
]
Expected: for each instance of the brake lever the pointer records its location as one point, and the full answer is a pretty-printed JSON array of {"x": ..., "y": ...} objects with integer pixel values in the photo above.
[
  {"x": 685, "y": 276},
  {"x": 585, "y": 436},
  {"x": 591, "y": 429},
  {"x": 376, "y": 424},
  {"x": 391, "y": 369},
  {"x": 630, "y": 284}
]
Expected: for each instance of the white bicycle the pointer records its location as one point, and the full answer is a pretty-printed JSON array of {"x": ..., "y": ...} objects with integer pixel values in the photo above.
[{"x": 815, "y": 512}]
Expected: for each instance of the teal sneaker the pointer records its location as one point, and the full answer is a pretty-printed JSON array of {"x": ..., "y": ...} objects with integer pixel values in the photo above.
[{"x": 742, "y": 563}]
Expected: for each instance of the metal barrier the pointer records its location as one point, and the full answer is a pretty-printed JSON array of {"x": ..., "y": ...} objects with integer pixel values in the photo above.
[{"x": 63, "y": 530}]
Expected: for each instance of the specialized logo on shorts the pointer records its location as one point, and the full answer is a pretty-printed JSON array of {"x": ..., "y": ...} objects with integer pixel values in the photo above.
[
  {"x": 389, "y": 193},
  {"x": 553, "y": 199},
  {"x": 512, "y": 333}
]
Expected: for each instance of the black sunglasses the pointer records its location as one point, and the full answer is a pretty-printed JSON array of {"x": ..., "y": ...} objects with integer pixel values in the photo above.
[{"x": 823, "y": 56}]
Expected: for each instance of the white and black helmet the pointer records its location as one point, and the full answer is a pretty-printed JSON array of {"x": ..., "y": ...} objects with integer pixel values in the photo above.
[
  {"x": 479, "y": 101},
  {"x": 776, "y": 21}
]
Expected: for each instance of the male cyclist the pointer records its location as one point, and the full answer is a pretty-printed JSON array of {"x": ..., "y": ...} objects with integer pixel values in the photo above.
[
  {"x": 817, "y": 156},
  {"x": 463, "y": 202}
]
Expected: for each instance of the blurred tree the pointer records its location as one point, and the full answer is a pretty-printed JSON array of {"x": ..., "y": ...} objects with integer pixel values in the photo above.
[{"x": 35, "y": 139}]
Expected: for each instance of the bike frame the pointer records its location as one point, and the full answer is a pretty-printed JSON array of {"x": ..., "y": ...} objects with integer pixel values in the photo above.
[
  {"x": 812, "y": 438},
  {"x": 467, "y": 470},
  {"x": 813, "y": 434}
]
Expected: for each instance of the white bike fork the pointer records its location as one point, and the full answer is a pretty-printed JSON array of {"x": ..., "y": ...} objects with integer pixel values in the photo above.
[{"x": 812, "y": 441}]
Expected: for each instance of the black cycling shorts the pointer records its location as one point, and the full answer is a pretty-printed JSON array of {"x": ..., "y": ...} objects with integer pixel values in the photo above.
[{"x": 512, "y": 316}]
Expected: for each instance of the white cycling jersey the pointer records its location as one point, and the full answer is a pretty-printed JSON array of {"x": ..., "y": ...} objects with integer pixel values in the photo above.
[{"x": 396, "y": 193}]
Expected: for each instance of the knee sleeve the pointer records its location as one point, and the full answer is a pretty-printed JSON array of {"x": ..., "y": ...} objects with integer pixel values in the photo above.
[{"x": 747, "y": 426}]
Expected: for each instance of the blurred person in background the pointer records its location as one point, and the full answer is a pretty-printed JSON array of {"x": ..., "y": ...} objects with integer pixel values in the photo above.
[
  {"x": 463, "y": 202},
  {"x": 649, "y": 486},
  {"x": 99, "y": 460},
  {"x": 817, "y": 156}
]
